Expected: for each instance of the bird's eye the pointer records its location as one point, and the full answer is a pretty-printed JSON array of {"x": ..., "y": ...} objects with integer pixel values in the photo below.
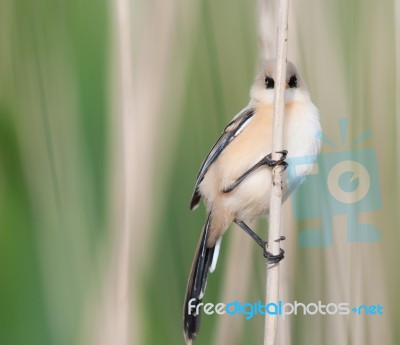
[
  {"x": 293, "y": 81},
  {"x": 269, "y": 82}
]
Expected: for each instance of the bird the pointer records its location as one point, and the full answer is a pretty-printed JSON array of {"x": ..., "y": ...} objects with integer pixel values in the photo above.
[{"x": 235, "y": 179}]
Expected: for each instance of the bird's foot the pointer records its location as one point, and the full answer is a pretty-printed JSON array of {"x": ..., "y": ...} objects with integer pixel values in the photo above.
[
  {"x": 267, "y": 160},
  {"x": 274, "y": 259},
  {"x": 273, "y": 163}
]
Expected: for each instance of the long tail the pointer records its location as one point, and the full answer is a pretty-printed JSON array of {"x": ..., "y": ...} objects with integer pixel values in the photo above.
[{"x": 204, "y": 261}]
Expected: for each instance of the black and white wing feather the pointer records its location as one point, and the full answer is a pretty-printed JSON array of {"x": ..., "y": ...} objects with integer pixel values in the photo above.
[{"x": 239, "y": 122}]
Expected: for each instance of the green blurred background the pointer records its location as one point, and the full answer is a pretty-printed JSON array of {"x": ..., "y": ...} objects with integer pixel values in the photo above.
[{"x": 106, "y": 112}]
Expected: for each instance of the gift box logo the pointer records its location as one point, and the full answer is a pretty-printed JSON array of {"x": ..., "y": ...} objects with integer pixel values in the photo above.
[{"x": 339, "y": 183}]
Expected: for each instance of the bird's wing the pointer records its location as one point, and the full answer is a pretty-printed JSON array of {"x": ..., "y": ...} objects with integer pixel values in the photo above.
[{"x": 231, "y": 131}]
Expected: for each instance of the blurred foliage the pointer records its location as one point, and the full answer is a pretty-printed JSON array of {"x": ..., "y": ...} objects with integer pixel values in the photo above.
[{"x": 53, "y": 101}]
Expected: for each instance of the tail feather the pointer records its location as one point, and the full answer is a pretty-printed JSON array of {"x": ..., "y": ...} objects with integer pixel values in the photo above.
[{"x": 201, "y": 265}]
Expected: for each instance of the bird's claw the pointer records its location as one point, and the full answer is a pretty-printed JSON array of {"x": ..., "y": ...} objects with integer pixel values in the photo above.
[
  {"x": 274, "y": 259},
  {"x": 264, "y": 161},
  {"x": 273, "y": 163}
]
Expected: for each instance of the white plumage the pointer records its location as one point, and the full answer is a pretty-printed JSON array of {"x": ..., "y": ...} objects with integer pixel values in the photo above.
[
  {"x": 251, "y": 142},
  {"x": 246, "y": 140}
]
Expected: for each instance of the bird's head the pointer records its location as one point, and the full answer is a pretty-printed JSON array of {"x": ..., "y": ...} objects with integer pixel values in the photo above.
[{"x": 263, "y": 88}]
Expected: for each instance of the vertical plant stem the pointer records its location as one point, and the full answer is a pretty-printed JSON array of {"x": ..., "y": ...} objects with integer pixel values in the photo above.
[
  {"x": 266, "y": 25},
  {"x": 116, "y": 326},
  {"x": 272, "y": 293},
  {"x": 397, "y": 50}
]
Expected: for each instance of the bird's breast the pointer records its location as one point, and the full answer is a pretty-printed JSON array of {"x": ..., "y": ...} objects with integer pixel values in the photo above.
[{"x": 250, "y": 199}]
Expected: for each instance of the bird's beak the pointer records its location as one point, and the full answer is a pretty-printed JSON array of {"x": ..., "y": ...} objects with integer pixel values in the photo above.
[{"x": 286, "y": 85}]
